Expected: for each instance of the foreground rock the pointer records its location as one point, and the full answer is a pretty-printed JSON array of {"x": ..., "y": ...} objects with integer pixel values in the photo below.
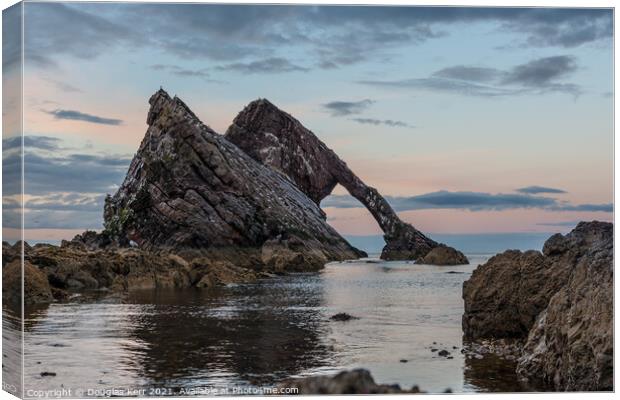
[
  {"x": 504, "y": 296},
  {"x": 571, "y": 343},
  {"x": 189, "y": 189},
  {"x": 560, "y": 303},
  {"x": 357, "y": 381},
  {"x": 279, "y": 141},
  {"x": 36, "y": 285},
  {"x": 53, "y": 272}
]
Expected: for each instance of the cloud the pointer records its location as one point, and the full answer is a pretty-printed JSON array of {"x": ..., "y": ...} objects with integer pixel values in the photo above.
[
  {"x": 80, "y": 116},
  {"x": 466, "y": 73},
  {"x": 331, "y": 36},
  {"x": 271, "y": 65},
  {"x": 55, "y": 168},
  {"x": 541, "y": 72},
  {"x": 11, "y": 34},
  {"x": 586, "y": 207},
  {"x": 472, "y": 201},
  {"x": 342, "y": 108},
  {"x": 64, "y": 189},
  {"x": 386, "y": 122},
  {"x": 63, "y": 86},
  {"x": 180, "y": 71},
  {"x": 57, "y": 30},
  {"x": 537, "y": 76},
  {"x": 444, "y": 85},
  {"x": 560, "y": 223},
  {"x": 538, "y": 190},
  {"x": 37, "y": 142}
]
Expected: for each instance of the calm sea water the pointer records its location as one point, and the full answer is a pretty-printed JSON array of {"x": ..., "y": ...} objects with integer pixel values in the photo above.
[{"x": 248, "y": 336}]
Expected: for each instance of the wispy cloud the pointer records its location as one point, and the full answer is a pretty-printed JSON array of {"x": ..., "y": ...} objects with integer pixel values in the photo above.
[
  {"x": 537, "y": 76},
  {"x": 539, "y": 189},
  {"x": 473, "y": 201},
  {"x": 36, "y": 142},
  {"x": 63, "y": 86},
  {"x": 180, "y": 71},
  {"x": 385, "y": 122},
  {"x": 342, "y": 108},
  {"x": 560, "y": 223},
  {"x": 271, "y": 65},
  {"x": 80, "y": 116},
  {"x": 468, "y": 73}
]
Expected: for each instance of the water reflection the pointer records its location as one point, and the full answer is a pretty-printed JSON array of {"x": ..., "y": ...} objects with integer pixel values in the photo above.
[
  {"x": 258, "y": 334},
  {"x": 229, "y": 335},
  {"x": 11, "y": 349}
]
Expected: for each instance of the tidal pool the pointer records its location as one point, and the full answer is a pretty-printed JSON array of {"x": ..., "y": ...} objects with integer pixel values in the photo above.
[{"x": 170, "y": 342}]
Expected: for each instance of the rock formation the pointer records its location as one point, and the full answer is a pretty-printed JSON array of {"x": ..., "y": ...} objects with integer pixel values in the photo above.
[
  {"x": 36, "y": 286},
  {"x": 571, "y": 343},
  {"x": 357, "y": 381},
  {"x": 276, "y": 139},
  {"x": 52, "y": 272},
  {"x": 443, "y": 255},
  {"x": 560, "y": 303},
  {"x": 189, "y": 188}
]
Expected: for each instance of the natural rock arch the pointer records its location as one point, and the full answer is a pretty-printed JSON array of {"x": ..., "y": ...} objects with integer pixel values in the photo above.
[{"x": 276, "y": 139}]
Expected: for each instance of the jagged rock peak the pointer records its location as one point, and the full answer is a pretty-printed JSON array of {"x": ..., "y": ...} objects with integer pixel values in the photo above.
[
  {"x": 161, "y": 100},
  {"x": 189, "y": 188}
]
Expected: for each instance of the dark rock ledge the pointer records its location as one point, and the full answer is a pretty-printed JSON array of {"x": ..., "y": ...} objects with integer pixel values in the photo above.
[
  {"x": 558, "y": 304},
  {"x": 52, "y": 273}
]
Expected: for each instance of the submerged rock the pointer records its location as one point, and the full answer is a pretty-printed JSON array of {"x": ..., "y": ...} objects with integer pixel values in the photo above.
[
  {"x": 190, "y": 189},
  {"x": 279, "y": 141},
  {"x": 357, "y": 381},
  {"x": 560, "y": 302},
  {"x": 342, "y": 317}
]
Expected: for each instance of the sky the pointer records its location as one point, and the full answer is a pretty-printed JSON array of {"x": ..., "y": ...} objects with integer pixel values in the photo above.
[{"x": 468, "y": 120}]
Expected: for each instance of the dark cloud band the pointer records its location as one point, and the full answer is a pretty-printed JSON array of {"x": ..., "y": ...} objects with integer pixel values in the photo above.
[
  {"x": 537, "y": 76},
  {"x": 539, "y": 189},
  {"x": 342, "y": 108},
  {"x": 80, "y": 116},
  {"x": 473, "y": 201}
]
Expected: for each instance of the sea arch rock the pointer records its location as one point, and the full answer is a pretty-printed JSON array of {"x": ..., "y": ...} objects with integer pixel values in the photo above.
[{"x": 278, "y": 140}]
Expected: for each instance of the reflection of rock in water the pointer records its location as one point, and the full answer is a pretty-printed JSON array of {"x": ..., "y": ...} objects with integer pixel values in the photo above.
[
  {"x": 492, "y": 374},
  {"x": 11, "y": 350},
  {"x": 259, "y": 343}
]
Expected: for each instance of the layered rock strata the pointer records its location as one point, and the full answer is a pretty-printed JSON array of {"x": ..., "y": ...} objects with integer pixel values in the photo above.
[{"x": 188, "y": 188}]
